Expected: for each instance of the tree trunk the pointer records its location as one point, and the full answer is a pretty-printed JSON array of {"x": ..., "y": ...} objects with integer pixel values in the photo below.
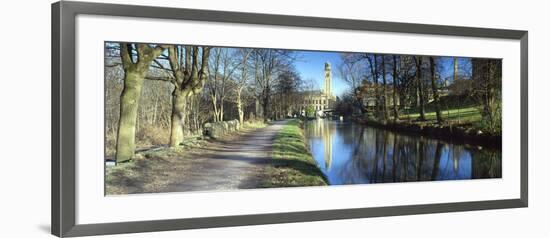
[
  {"x": 376, "y": 90},
  {"x": 129, "y": 101},
  {"x": 215, "y": 107},
  {"x": 154, "y": 117},
  {"x": 240, "y": 106},
  {"x": 176, "y": 126},
  {"x": 258, "y": 108},
  {"x": 134, "y": 75},
  {"x": 435, "y": 92},
  {"x": 265, "y": 104},
  {"x": 420, "y": 86},
  {"x": 384, "y": 90},
  {"x": 185, "y": 121},
  {"x": 394, "y": 94},
  {"x": 221, "y": 109}
]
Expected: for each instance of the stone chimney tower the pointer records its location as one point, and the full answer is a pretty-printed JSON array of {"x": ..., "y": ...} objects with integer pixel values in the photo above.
[{"x": 328, "y": 79}]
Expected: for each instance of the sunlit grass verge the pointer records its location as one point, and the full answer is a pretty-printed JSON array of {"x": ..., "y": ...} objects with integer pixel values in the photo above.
[
  {"x": 254, "y": 124},
  {"x": 292, "y": 164},
  {"x": 464, "y": 115}
]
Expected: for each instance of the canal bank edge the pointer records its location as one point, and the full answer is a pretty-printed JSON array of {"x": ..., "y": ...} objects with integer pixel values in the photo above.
[
  {"x": 292, "y": 164},
  {"x": 446, "y": 133}
]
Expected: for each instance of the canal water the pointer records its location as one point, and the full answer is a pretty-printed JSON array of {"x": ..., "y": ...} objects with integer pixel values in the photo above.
[{"x": 349, "y": 153}]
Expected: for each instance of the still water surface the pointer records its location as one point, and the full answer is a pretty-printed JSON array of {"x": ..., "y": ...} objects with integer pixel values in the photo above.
[{"x": 349, "y": 153}]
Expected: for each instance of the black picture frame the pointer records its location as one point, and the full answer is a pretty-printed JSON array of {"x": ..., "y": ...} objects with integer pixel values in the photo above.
[{"x": 64, "y": 107}]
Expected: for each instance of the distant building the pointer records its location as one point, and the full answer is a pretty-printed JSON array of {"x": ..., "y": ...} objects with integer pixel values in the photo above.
[
  {"x": 321, "y": 100},
  {"x": 367, "y": 91}
]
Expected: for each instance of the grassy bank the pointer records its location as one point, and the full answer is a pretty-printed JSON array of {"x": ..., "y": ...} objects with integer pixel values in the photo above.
[
  {"x": 460, "y": 124},
  {"x": 292, "y": 164},
  {"x": 459, "y": 115},
  {"x": 456, "y": 111}
]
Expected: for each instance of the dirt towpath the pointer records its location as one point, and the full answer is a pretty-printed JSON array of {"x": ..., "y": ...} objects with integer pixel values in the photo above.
[{"x": 236, "y": 162}]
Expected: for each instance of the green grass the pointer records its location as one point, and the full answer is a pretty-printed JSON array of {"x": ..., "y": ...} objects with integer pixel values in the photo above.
[
  {"x": 455, "y": 109},
  {"x": 462, "y": 115},
  {"x": 292, "y": 164}
]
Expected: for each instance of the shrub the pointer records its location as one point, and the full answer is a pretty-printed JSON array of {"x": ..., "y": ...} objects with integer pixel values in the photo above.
[
  {"x": 152, "y": 135},
  {"x": 310, "y": 111}
]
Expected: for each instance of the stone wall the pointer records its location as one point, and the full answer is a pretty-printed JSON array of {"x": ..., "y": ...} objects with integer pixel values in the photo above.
[{"x": 218, "y": 129}]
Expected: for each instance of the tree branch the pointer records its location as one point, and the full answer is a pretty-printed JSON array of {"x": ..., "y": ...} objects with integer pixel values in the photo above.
[
  {"x": 159, "y": 78},
  {"x": 126, "y": 56},
  {"x": 113, "y": 65}
]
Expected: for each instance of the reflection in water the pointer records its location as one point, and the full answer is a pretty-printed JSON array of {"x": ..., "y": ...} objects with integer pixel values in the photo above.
[{"x": 353, "y": 154}]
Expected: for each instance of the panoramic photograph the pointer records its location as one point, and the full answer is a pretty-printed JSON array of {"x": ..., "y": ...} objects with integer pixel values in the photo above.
[{"x": 182, "y": 118}]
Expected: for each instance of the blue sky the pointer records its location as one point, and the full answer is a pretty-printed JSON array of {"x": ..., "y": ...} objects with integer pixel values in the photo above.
[
  {"x": 446, "y": 65},
  {"x": 311, "y": 65}
]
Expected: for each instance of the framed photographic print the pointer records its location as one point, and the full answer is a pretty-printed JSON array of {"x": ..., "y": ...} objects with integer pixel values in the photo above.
[{"x": 167, "y": 118}]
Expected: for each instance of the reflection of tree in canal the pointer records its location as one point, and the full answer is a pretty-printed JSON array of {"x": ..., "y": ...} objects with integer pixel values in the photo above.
[{"x": 353, "y": 154}]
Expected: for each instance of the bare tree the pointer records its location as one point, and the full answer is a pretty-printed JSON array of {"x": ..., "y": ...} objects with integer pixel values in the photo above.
[
  {"x": 136, "y": 59},
  {"x": 384, "y": 89},
  {"x": 395, "y": 79},
  {"x": 350, "y": 70},
  {"x": 242, "y": 81},
  {"x": 435, "y": 90},
  {"x": 189, "y": 72},
  {"x": 420, "y": 89},
  {"x": 287, "y": 85},
  {"x": 407, "y": 88},
  {"x": 373, "y": 65},
  {"x": 223, "y": 66},
  {"x": 268, "y": 63},
  {"x": 487, "y": 78}
]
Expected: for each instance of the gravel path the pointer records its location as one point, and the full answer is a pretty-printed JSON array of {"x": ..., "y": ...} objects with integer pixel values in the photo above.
[{"x": 231, "y": 164}]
